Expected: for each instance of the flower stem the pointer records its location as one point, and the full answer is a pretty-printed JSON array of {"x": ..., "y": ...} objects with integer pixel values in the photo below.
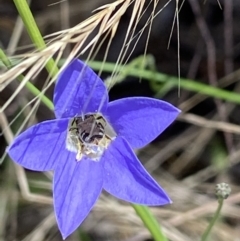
[
  {"x": 222, "y": 191},
  {"x": 186, "y": 84},
  {"x": 34, "y": 33},
  {"x": 150, "y": 222},
  {"x": 213, "y": 221}
]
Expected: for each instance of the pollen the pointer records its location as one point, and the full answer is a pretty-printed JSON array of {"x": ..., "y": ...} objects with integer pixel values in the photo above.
[{"x": 89, "y": 135}]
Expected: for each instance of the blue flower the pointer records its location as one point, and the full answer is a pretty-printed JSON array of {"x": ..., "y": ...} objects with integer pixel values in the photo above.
[{"x": 89, "y": 146}]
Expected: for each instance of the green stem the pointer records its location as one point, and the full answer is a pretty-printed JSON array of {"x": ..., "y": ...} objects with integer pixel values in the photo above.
[
  {"x": 150, "y": 222},
  {"x": 35, "y": 91},
  {"x": 163, "y": 78},
  {"x": 187, "y": 84},
  {"x": 34, "y": 33},
  {"x": 213, "y": 221}
]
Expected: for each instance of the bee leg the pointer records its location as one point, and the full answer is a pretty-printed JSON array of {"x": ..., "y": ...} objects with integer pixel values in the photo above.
[{"x": 79, "y": 152}]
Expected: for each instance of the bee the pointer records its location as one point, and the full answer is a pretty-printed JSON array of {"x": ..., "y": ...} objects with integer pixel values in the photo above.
[{"x": 89, "y": 135}]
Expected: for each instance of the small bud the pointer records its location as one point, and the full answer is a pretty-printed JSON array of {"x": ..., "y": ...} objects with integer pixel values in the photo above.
[{"x": 223, "y": 190}]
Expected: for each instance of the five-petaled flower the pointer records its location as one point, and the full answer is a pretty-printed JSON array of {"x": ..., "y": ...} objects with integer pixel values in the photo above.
[{"x": 89, "y": 146}]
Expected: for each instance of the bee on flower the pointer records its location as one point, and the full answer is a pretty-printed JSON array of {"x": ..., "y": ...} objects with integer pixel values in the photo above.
[{"x": 89, "y": 146}]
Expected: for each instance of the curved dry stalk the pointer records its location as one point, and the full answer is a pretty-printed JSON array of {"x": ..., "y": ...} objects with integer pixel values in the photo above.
[
  {"x": 77, "y": 34},
  {"x": 105, "y": 21}
]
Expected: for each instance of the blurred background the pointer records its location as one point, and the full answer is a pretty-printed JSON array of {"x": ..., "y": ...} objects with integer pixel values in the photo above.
[{"x": 195, "y": 153}]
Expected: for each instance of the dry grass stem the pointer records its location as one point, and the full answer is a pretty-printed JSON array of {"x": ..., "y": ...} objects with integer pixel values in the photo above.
[{"x": 206, "y": 123}]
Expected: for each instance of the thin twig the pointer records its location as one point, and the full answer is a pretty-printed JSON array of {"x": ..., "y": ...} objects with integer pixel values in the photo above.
[
  {"x": 203, "y": 122},
  {"x": 228, "y": 36}
]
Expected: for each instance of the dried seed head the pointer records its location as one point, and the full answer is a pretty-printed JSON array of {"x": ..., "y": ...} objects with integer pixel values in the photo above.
[{"x": 223, "y": 190}]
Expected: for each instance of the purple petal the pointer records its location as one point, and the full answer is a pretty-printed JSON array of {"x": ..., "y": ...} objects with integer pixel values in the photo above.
[
  {"x": 40, "y": 146},
  {"x": 78, "y": 91},
  {"x": 140, "y": 120},
  {"x": 126, "y": 178},
  {"x": 77, "y": 186}
]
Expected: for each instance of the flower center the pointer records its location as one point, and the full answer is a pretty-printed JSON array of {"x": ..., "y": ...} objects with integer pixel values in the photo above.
[{"x": 89, "y": 135}]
